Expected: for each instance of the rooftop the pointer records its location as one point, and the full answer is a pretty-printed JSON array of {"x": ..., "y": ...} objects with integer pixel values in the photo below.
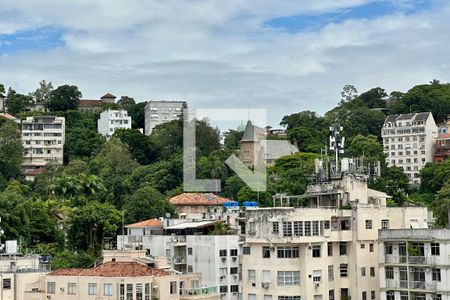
[
  {"x": 113, "y": 269},
  {"x": 198, "y": 199},
  {"x": 90, "y": 102},
  {"x": 146, "y": 223}
]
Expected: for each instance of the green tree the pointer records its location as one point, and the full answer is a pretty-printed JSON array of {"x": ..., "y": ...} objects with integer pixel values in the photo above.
[
  {"x": 91, "y": 223},
  {"x": 126, "y": 102},
  {"x": 63, "y": 98},
  {"x": 146, "y": 203},
  {"x": 141, "y": 147},
  {"x": 367, "y": 147},
  {"x": 17, "y": 103},
  {"x": 441, "y": 205},
  {"x": 374, "y": 98},
  {"x": 82, "y": 143},
  {"x": 137, "y": 114},
  {"x": 394, "y": 182},
  {"x": 42, "y": 93},
  {"x": 11, "y": 150}
]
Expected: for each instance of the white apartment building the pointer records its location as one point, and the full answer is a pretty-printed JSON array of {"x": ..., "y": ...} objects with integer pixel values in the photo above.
[
  {"x": 112, "y": 120},
  {"x": 190, "y": 247},
  {"x": 414, "y": 264},
  {"x": 326, "y": 249},
  {"x": 43, "y": 142},
  {"x": 159, "y": 112},
  {"x": 408, "y": 142}
]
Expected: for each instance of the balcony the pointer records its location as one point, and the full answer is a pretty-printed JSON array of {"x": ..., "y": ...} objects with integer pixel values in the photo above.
[
  {"x": 195, "y": 293},
  {"x": 413, "y": 285},
  {"x": 179, "y": 260},
  {"x": 412, "y": 260}
]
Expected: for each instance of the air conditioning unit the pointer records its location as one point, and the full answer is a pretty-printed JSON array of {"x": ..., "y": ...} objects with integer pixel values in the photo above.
[
  {"x": 222, "y": 277},
  {"x": 317, "y": 285},
  {"x": 265, "y": 285},
  {"x": 234, "y": 258},
  {"x": 224, "y": 259}
]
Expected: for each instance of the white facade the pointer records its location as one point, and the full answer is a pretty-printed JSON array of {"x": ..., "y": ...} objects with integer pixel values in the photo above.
[
  {"x": 408, "y": 142},
  {"x": 216, "y": 257},
  {"x": 414, "y": 264},
  {"x": 112, "y": 120},
  {"x": 321, "y": 251},
  {"x": 43, "y": 142},
  {"x": 159, "y": 112}
]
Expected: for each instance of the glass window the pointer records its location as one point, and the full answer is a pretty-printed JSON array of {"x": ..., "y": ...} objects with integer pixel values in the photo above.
[
  {"x": 275, "y": 228},
  {"x": 371, "y": 247},
  {"x": 317, "y": 276},
  {"x": 343, "y": 269},
  {"x": 363, "y": 271},
  {"x": 316, "y": 251},
  {"x": 130, "y": 291},
  {"x": 287, "y": 228},
  {"x": 435, "y": 249},
  {"x": 288, "y": 252},
  {"x": 385, "y": 224},
  {"x": 343, "y": 248},
  {"x": 298, "y": 228},
  {"x": 138, "y": 291},
  {"x": 436, "y": 274},
  {"x": 71, "y": 288},
  {"x": 368, "y": 224},
  {"x": 223, "y": 252},
  {"x": 372, "y": 272},
  {"x": 330, "y": 248},
  {"x": 372, "y": 295},
  {"x": 92, "y": 289},
  {"x": 389, "y": 272},
  {"x": 288, "y": 278},
  {"x": 246, "y": 250},
  {"x": 50, "y": 287},
  {"x": 107, "y": 289},
  {"x": 224, "y": 288},
  {"x": 251, "y": 275},
  {"x": 233, "y": 252},
  {"x": 265, "y": 252},
  {"x": 388, "y": 248},
  {"x": 173, "y": 287}
]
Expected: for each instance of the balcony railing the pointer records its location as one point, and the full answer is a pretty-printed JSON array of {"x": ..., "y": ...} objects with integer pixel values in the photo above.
[
  {"x": 199, "y": 291},
  {"x": 414, "y": 285},
  {"x": 179, "y": 259},
  {"x": 412, "y": 260}
]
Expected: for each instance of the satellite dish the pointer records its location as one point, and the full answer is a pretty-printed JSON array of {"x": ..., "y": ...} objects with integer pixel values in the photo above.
[{"x": 167, "y": 215}]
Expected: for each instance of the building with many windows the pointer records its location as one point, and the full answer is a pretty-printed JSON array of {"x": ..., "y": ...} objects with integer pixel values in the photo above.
[
  {"x": 325, "y": 248},
  {"x": 408, "y": 142},
  {"x": 43, "y": 142},
  {"x": 159, "y": 112},
  {"x": 414, "y": 264},
  {"x": 112, "y": 120}
]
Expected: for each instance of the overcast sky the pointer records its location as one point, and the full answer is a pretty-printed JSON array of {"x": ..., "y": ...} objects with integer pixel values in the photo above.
[{"x": 283, "y": 55}]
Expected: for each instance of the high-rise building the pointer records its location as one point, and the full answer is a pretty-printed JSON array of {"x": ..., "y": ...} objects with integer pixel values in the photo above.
[
  {"x": 408, "y": 142},
  {"x": 111, "y": 120},
  {"x": 43, "y": 142},
  {"x": 326, "y": 248},
  {"x": 159, "y": 112},
  {"x": 414, "y": 264}
]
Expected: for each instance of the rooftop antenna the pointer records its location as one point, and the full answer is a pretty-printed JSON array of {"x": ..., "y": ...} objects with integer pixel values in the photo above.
[{"x": 336, "y": 144}]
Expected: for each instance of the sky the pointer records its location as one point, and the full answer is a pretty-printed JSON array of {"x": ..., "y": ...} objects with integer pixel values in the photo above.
[{"x": 283, "y": 56}]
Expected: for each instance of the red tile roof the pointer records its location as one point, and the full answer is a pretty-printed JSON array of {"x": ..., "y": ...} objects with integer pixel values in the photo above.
[
  {"x": 90, "y": 102},
  {"x": 146, "y": 223},
  {"x": 198, "y": 199},
  {"x": 113, "y": 269},
  {"x": 8, "y": 116},
  {"x": 443, "y": 136},
  {"x": 108, "y": 95}
]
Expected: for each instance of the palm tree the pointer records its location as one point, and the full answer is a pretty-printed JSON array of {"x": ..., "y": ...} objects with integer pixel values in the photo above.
[{"x": 435, "y": 82}]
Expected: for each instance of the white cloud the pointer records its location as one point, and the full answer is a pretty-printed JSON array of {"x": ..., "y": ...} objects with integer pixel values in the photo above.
[{"x": 220, "y": 54}]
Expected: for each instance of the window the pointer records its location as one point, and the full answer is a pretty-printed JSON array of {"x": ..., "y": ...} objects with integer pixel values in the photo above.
[
  {"x": 436, "y": 274},
  {"x": 287, "y": 228},
  {"x": 330, "y": 248},
  {"x": 436, "y": 297},
  {"x": 130, "y": 290},
  {"x": 317, "y": 275},
  {"x": 288, "y": 278},
  {"x": 372, "y": 272},
  {"x": 92, "y": 289},
  {"x": 121, "y": 291},
  {"x": 331, "y": 295},
  {"x": 307, "y": 228},
  {"x": 368, "y": 224},
  {"x": 288, "y": 298},
  {"x": 251, "y": 275},
  {"x": 138, "y": 291},
  {"x": 189, "y": 251},
  {"x": 343, "y": 270},
  {"x": 326, "y": 224},
  {"x": 316, "y": 251},
  {"x": 371, "y": 247},
  {"x": 233, "y": 270},
  {"x": 372, "y": 295},
  {"x": 173, "y": 287},
  {"x": 223, "y": 252},
  {"x": 363, "y": 246},
  {"x": 388, "y": 248},
  {"x": 246, "y": 250},
  {"x": 275, "y": 228},
  {"x": 223, "y": 272},
  {"x": 147, "y": 291},
  {"x": 330, "y": 273},
  {"x": 298, "y": 228},
  {"x": 265, "y": 252},
  {"x": 343, "y": 248},
  {"x": 385, "y": 224},
  {"x": 107, "y": 289},
  {"x": 315, "y": 228},
  {"x": 364, "y": 295},
  {"x": 190, "y": 269},
  {"x": 390, "y": 295},
  {"x": 389, "y": 272},
  {"x": 71, "y": 288},
  {"x": 233, "y": 252},
  {"x": 363, "y": 271},
  {"x": 50, "y": 287},
  {"x": 251, "y": 297},
  {"x": 234, "y": 288},
  {"x": 404, "y": 296},
  {"x": 288, "y": 252},
  {"x": 224, "y": 289},
  {"x": 435, "y": 249}
]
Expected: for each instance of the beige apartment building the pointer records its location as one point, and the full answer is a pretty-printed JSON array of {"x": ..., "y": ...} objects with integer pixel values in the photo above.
[
  {"x": 43, "y": 142},
  {"x": 326, "y": 248}
]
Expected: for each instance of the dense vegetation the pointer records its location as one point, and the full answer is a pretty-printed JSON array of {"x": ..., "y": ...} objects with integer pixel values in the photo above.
[{"x": 71, "y": 210}]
